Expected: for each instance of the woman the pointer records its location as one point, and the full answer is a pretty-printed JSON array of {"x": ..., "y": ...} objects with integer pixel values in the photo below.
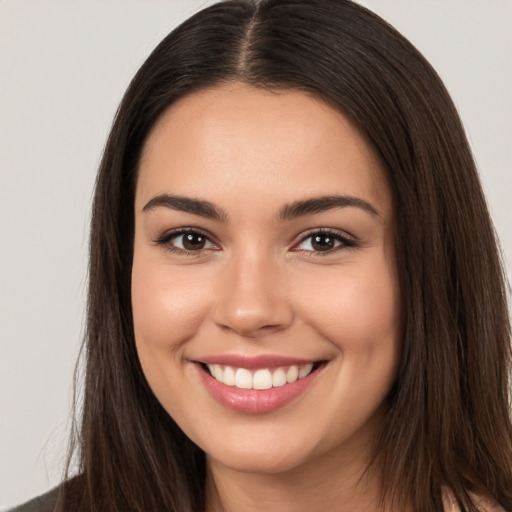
[{"x": 295, "y": 296}]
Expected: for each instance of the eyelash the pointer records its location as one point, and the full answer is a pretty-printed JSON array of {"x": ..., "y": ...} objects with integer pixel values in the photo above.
[{"x": 345, "y": 241}]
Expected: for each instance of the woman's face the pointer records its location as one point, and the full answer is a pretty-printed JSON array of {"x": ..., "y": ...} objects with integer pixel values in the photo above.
[{"x": 264, "y": 255}]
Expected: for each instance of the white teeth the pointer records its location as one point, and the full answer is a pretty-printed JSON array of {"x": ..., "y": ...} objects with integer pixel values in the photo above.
[
  {"x": 305, "y": 370},
  {"x": 243, "y": 379},
  {"x": 216, "y": 371},
  {"x": 279, "y": 378},
  {"x": 292, "y": 374},
  {"x": 229, "y": 376},
  {"x": 264, "y": 378}
]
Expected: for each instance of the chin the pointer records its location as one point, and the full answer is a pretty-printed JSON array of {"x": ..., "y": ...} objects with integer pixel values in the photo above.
[
  {"x": 259, "y": 462},
  {"x": 272, "y": 453}
]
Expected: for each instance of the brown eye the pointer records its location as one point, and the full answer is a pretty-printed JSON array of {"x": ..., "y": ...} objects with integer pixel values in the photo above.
[
  {"x": 324, "y": 241},
  {"x": 193, "y": 241},
  {"x": 186, "y": 241}
]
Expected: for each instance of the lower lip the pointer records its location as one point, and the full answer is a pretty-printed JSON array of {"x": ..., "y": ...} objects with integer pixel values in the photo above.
[{"x": 255, "y": 401}]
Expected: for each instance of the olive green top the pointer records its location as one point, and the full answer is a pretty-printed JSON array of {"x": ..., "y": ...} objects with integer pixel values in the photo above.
[{"x": 44, "y": 503}]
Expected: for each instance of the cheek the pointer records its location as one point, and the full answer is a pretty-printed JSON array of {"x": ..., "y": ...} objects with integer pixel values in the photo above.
[
  {"x": 360, "y": 315},
  {"x": 168, "y": 310},
  {"x": 168, "y": 305},
  {"x": 355, "y": 308}
]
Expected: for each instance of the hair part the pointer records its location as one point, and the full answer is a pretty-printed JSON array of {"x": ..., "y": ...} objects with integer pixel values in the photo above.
[{"x": 448, "y": 422}]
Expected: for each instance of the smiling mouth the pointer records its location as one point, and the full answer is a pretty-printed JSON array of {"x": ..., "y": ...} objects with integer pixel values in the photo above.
[{"x": 259, "y": 379}]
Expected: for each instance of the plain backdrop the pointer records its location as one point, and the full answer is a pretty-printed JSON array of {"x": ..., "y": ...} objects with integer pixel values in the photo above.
[{"x": 64, "y": 65}]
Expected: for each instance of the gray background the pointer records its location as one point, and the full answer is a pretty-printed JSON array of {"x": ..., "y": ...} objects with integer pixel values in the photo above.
[{"x": 63, "y": 68}]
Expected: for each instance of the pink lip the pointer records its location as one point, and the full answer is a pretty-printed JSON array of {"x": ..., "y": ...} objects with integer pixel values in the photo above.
[{"x": 253, "y": 401}]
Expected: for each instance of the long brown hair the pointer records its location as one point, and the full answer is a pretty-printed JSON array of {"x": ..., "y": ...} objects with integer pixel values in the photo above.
[{"x": 449, "y": 412}]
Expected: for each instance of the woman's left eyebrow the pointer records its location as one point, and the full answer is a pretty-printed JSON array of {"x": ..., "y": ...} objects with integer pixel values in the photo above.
[{"x": 325, "y": 203}]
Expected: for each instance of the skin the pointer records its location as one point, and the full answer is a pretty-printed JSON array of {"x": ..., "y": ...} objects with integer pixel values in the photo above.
[{"x": 259, "y": 287}]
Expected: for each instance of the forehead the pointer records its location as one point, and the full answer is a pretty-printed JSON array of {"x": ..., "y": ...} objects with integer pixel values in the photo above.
[{"x": 237, "y": 141}]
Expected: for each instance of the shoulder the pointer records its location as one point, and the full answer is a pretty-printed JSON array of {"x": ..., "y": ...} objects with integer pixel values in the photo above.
[{"x": 44, "y": 503}]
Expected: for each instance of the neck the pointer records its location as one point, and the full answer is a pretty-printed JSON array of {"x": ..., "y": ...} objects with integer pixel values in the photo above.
[{"x": 321, "y": 484}]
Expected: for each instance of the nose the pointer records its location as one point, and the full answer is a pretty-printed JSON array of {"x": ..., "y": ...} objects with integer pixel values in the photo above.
[{"x": 251, "y": 298}]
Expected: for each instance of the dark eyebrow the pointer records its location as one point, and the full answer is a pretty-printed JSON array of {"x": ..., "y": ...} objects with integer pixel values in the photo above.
[
  {"x": 324, "y": 203},
  {"x": 290, "y": 211},
  {"x": 186, "y": 204}
]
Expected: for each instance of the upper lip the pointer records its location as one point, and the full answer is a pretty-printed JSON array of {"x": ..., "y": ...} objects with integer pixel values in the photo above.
[{"x": 260, "y": 361}]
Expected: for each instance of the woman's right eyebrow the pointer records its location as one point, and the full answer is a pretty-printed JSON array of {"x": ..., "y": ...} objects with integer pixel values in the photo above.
[{"x": 199, "y": 207}]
